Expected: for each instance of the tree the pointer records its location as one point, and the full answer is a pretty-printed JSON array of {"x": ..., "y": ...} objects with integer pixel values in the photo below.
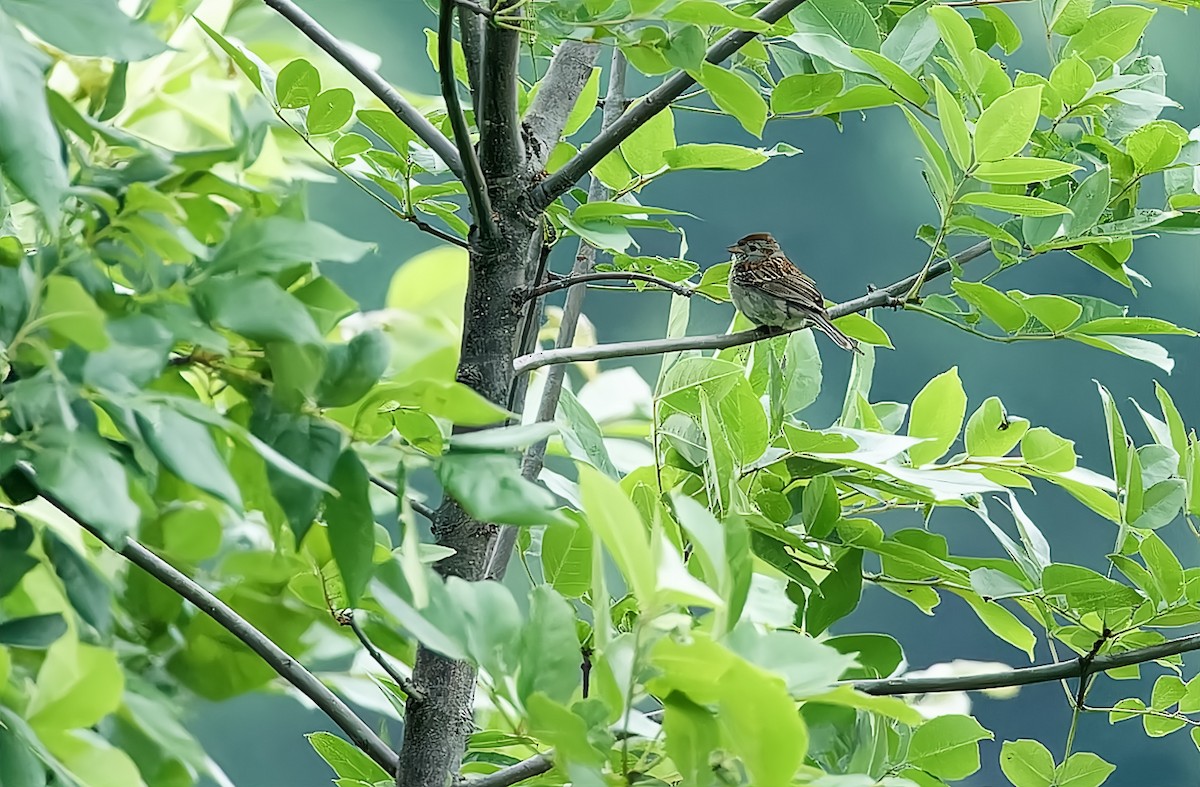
[{"x": 184, "y": 388}]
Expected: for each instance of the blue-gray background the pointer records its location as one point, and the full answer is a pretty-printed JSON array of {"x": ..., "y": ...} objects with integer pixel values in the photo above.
[{"x": 845, "y": 211}]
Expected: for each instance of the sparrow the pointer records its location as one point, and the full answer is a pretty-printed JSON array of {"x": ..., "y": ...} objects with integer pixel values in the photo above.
[{"x": 770, "y": 290}]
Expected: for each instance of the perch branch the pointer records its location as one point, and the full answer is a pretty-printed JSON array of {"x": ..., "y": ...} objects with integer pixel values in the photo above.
[
  {"x": 1081, "y": 667},
  {"x": 654, "y": 102},
  {"x": 414, "y": 692},
  {"x": 883, "y": 297},
  {"x": 391, "y": 489},
  {"x": 559, "y": 90},
  {"x": 584, "y": 278},
  {"x": 481, "y": 205},
  {"x": 286, "y": 666},
  {"x": 391, "y": 98}
]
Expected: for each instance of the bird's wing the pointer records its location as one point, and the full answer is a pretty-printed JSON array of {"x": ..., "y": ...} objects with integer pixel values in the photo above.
[{"x": 793, "y": 286}]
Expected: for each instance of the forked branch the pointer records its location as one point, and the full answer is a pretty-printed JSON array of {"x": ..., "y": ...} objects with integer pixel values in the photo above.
[
  {"x": 884, "y": 297},
  {"x": 654, "y": 102},
  {"x": 408, "y": 114}
]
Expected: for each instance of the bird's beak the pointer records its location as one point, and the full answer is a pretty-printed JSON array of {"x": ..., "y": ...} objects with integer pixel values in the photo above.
[{"x": 731, "y": 249}]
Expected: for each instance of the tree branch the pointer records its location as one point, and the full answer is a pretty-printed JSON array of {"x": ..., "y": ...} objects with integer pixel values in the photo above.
[
  {"x": 557, "y": 93},
  {"x": 885, "y": 297},
  {"x": 1043, "y": 673},
  {"x": 583, "y": 278},
  {"x": 501, "y": 151},
  {"x": 414, "y": 692},
  {"x": 506, "y": 777},
  {"x": 481, "y": 205},
  {"x": 654, "y": 102},
  {"x": 470, "y": 30},
  {"x": 400, "y": 107},
  {"x": 286, "y": 666},
  {"x": 391, "y": 489}
]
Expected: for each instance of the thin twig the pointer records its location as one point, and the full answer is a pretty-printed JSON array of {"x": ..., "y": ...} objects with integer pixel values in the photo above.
[
  {"x": 655, "y": 101},
  {"x": 974, "y": 3},
  {"x": 285, "y": 665},
  {"x": 408, "y": 114},
  {"x": 391, "y": 489},
  {"x": 883, "y": 297},
  {"x": 584, "y": 278},
  {"x": 414, "y": 692},
  {"x": 1044, "y": 673},
  {"x": 481, "y": 204},
  {"x": 506, "y": 777}
]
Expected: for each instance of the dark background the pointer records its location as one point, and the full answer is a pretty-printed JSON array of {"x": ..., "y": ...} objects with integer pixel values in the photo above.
[{"x": 845, "y": 211}]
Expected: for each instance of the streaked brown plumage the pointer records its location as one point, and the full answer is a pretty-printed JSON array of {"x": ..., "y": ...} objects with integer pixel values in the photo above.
[{"x": 770, "y": 290}]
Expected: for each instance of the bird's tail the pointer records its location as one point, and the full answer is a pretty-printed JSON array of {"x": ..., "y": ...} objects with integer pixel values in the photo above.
[{"x": 822, "y": 322}]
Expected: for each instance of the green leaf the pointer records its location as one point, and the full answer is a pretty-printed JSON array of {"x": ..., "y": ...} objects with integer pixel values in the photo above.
[
  {"x": 1004, "y": 127},
  {"x": 936, "y": 415},
  {"x": 346, "y": 760},
  {"x": 1014, "y": 203},
  {"x": 1110, "y": 33},
  {"x": 1164, "y": 567},
  {"x": 18, "y": 764},
  {"x": 862, "y": 97},
  {"x": 894, "y": 76},
  {"x": 847, "y": 20},
  {"x": 1008, "y": 35},
  {"x": 936, "y": 158},
  {"x": 30, "y": 154},
  {"x": 450, "y": 400},
  {"x": 1083, "y": 769},
  {"x": 991, "y": 431},
  {"x": 329, "y": 111},
  {"x": 78, "y": 470},
  {"x": 644, "y": 149},
  {"x": 1027, "y": 763},
  {"x": 1045, "y": 450},
  {"x": 1161, "y": 504},
  {"x": 35, "y": 632},
  {"x": 567, "y": 557},
  {"x": 186, "y": 448},
  {"x": 954, "y": 124},
  {"x": 585, "y": 105},
  {"x": 489, "y": 487},
  {"x": 956, "y": 33},
  {"x": 760, "y": 724},
  {"x": 387, "y": 127},
  {"x": 616, "y": 521},
  {"x": 1072, "y": 78},
  {"x": 247, "y": 62},
  {"x": 712, "y": 14},
  {"x": 1132, "y": 325},
  {"x": 353, "y": 368},
  {"x": 1055, "y": 312},
  {"x": 71, "y": 313},
  {"x": 1156, "y": 145},
  {"x": 947, "y": 746},
  {"x": 804, "y": 92},
  {"x": 305, "y": 442},
  {"x": 1017, "y": 171},
  {"x": 1088, "y": 202},
  {"x": 94, "y": 29},
  {"x": 257, "y": 308},
  {"x": 351, "y": 525},
  {"x": 995, "y": 305},
  {"x": 691, "y": 735},
  {"x": 271, "y": 245},
  {"x": 90, "y": 595},
  {"x": 1088, "y": 591},
  {"x": 734, "y": 96},
  {"x": 549, "y": 648},
  {"x": 837, "y": 595},
  {"x": 714, "y": 156},
  {"x": 912, "y": 39},
  {"x": 297, "y": 84}
]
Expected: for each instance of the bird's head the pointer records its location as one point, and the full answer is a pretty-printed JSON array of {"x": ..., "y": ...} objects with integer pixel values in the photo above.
[{"x": 757, "y": 246}]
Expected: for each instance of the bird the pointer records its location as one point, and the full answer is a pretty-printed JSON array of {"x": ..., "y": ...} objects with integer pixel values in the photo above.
[{"x": 770, "y": 290}]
